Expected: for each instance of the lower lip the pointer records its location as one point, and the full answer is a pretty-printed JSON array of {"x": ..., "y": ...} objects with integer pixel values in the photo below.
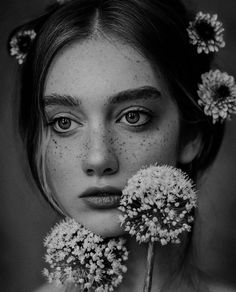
[{"x": 103, "y": 201}]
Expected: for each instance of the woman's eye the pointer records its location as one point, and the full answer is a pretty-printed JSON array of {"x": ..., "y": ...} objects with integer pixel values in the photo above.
[
  {"x": 136, "y": 118},
  {"x": 63, "y": 124}
]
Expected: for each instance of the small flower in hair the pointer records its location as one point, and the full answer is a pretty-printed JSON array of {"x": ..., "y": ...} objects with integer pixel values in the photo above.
[
  {"x": 157, "y": 204},
  {"x": 206, "y": 32},
  {"x": 78, "y": 257},
  {"x": 20, "y": 43},
  {"x": 217, "y": 94}
]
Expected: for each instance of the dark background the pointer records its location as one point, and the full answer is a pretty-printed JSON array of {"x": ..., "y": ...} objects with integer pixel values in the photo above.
[{"x": 24, "y": 216}]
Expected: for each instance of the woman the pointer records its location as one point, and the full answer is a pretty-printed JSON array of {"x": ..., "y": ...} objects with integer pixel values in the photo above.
[{"x": 107, "y": 87}]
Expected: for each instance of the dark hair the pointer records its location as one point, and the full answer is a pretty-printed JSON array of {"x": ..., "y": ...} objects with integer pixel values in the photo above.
[{"x": 156, "y": 28}]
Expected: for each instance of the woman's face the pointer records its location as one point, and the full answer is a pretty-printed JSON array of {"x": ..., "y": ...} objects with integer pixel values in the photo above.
[{"x": 109, "y": 113}]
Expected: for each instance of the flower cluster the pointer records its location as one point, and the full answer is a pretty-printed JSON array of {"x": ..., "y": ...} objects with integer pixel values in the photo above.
[
  {"x": 157, "y": 204},
  {"x": 77, "y": 256},
  {"x": 20, "y": 44},
  {"x": 217, "y": 94},
  {"x": 206, "y": 32}
]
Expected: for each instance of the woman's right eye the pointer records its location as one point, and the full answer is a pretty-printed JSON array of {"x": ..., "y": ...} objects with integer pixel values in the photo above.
[{"x": 63, "y": 124}]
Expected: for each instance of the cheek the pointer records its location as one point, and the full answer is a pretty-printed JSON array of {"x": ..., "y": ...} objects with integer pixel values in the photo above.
[
  {"x": 61, "y": 163},
  {"x": 64, "y": 157},
  {"x": 160, "y": 145}
]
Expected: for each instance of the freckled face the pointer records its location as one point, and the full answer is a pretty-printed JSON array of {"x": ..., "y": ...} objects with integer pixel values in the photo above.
[{"x": 109, "y": 114}]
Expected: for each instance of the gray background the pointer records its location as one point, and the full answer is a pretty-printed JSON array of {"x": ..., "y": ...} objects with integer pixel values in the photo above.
[{"x": 24, "y": 216}]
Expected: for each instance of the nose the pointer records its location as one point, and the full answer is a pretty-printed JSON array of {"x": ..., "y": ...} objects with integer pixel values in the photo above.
[{"x": 100, "y": 157}]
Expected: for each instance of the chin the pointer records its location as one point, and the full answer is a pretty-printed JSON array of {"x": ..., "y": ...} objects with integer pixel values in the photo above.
[
  {"x": 105, "y": 230},
  {"x": 109, "y": 232},
  {"x": 103, "y": 223}
]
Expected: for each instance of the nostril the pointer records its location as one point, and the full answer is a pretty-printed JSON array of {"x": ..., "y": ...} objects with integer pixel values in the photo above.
[
  {"x": 92, "y": 171},
  {"x": 89, "y": 171}
]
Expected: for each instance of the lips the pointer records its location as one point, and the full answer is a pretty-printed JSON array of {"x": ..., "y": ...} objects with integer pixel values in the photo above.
[{"x": 102, "y": 198}]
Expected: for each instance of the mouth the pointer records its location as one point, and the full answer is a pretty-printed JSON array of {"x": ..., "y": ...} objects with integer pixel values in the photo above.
[{"x": 102, "y": 198}]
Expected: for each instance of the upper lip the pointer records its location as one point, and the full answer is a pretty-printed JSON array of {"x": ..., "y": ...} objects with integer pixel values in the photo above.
[{"x": 96, "y": 191}]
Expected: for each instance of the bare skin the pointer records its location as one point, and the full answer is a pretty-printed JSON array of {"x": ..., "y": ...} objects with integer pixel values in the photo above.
[
  {"x": 96, "y": 140},
  {"x": 211, "y": 287},
  {"x": 103, "y": 145}
]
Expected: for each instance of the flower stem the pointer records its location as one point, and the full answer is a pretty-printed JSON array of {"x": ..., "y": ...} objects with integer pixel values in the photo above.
[{"x": 149, "y": 269}]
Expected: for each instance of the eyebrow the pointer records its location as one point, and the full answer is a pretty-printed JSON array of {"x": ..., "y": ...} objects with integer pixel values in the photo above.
[{"x": 145, "y": 92}]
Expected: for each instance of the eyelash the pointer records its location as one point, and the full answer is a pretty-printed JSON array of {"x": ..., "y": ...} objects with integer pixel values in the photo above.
[
  {"x": 54, "y": 121},
  {"x": 139, "y": 111}
]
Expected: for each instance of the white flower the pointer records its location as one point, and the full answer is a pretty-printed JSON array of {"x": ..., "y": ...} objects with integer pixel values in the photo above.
[
  {"x": 217, "y": 94},
  {"x": 157, "y": 204},
  {"x": 20, "y": 44},
  {"x": 76, "y": 255},
  {"x": 206, "y": 32}
]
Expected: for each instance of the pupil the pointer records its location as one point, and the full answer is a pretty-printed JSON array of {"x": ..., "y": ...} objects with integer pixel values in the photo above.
[
  {"x": 205, "y": 31},
  {"x": 133, "y": 117},
  {"x": 64, "y": 123}
]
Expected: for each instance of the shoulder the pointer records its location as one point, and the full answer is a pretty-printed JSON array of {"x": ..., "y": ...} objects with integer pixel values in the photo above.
[
  {"x": 219, "y": 287},
  {"x": 50, "y": 288},
  {"x": 54, "y": 288}
]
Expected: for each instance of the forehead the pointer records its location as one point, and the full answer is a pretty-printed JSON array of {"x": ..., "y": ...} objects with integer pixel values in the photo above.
[{"x": 99, "y": 67}]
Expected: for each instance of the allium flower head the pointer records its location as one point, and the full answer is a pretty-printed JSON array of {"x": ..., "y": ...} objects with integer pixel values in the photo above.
[
  {"x": 76, "y": 255},
  {"x": 157, "y": 204},
  {"x": 206, "y": 32},
  {"x": 217, "y": 94},
  {"x": 20, "y": 43}
]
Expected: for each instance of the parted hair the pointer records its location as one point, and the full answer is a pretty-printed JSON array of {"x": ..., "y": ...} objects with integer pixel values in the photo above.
[{"x": 155, "y": 28}]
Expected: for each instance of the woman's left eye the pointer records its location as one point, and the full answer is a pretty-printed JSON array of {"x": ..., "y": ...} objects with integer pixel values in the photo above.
[
  {"x": 136, "y": 118},
  {"x": 63, "y": 124}
]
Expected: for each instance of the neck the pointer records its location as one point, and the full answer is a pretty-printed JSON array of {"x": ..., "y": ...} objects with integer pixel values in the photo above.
[{"x": 167, "y": 262}]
